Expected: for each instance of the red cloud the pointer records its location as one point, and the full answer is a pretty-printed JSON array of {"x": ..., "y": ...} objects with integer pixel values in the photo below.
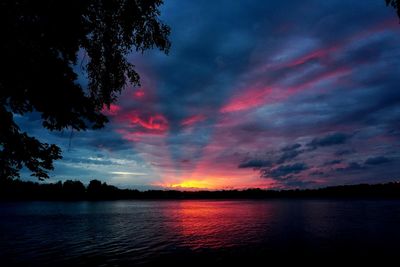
[
  {"x": 317, "y": 79},
  {"x": 250, "y": 98},
  {"x": 321, "y": 54},
  {"x": 138, "y": 94},
  {"x": 255, "y": 97},
  {"x": 112, "y": 111},
  {"x": 193, "y": 120},
  {"x": 154, "y": 122}
]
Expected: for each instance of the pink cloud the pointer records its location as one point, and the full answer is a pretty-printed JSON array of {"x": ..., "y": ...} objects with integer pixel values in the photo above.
[
  {"x": 323, "y": 54},
  {"x": 320, "y": 54},
  {"x": 139, "y": 93},
  {"x": 153, "y": 122},
  {"x": 315, "y": 80},
  {"x": 248, "y": 98},
  {"x": 189, "y": 121},
  {"x": 255, "y": 97},
  {"x": 112, "y": 111},
  {"x": 136, "y": 136}
]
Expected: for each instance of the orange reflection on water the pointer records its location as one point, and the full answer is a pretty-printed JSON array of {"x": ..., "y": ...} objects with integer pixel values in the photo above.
[{"x": 201, "y": 224}]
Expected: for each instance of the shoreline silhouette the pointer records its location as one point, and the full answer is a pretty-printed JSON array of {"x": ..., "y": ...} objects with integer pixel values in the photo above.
[{"x": 15, "y": 189}]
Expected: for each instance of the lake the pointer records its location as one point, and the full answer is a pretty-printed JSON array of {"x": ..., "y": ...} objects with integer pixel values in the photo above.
[{"x": 131, "y": 233}]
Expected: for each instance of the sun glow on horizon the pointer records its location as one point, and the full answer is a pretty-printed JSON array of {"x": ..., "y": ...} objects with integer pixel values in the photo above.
[
  {"x": 212, "y": 183},
  {"x": 194, "y": 184}
]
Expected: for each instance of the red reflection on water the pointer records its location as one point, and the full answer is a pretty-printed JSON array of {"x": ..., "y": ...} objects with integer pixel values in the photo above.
[{"x": 218, "y": 224}]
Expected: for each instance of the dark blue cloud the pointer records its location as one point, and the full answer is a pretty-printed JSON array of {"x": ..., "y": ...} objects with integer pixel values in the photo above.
[
  {"x": 291, "y": 147},
  {"x": 255, "y": 163},
  {"x": 289, "y": 155},
  {"x": 332, "y": 162},
  {"x": 377, "y": 160},
  {"x": 329, "y": 140},
  {"x": 283, "y": 171},
  {"x": 343, "y": 152},
  {"x": 352, "y": 166}
]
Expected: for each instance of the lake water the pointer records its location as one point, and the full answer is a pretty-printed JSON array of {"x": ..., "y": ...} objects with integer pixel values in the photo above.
[{"x": 129, "y": 233}]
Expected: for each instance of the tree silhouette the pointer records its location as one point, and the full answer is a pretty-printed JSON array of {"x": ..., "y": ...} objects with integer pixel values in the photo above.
[
  {"x": 395, "y": 4},
  {"x": 39, "y": 51},
  {"x": 16, "y": 189},
  {"x": 73, "y": 189}
]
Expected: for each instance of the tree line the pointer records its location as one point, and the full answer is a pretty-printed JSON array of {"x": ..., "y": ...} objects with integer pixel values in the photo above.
[{"x": 15, "y": 189}]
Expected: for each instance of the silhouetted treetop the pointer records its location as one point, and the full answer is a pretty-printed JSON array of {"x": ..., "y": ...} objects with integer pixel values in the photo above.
[
  {"x": 41, "y": 41},
  {"x": 395, "y": 4}
]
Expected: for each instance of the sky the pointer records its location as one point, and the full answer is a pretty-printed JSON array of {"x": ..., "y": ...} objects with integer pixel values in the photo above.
[{"x": 267, "y": 94}]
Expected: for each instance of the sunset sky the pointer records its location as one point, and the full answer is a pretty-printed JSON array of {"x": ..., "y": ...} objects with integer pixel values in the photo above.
[{"x": 269, "y": 94}]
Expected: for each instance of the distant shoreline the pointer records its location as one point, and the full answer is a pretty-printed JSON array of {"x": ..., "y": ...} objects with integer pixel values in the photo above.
[{"x": 75, "y": 190}]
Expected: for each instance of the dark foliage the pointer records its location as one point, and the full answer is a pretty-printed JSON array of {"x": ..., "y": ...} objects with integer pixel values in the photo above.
[
  {"x": 96, "y": 190},
  {"x": 39, "y": 52},
  {"x": 15, "y": 189},
  {"x": 74, "y": 189},
  {"x": 395, "y": 4}
]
